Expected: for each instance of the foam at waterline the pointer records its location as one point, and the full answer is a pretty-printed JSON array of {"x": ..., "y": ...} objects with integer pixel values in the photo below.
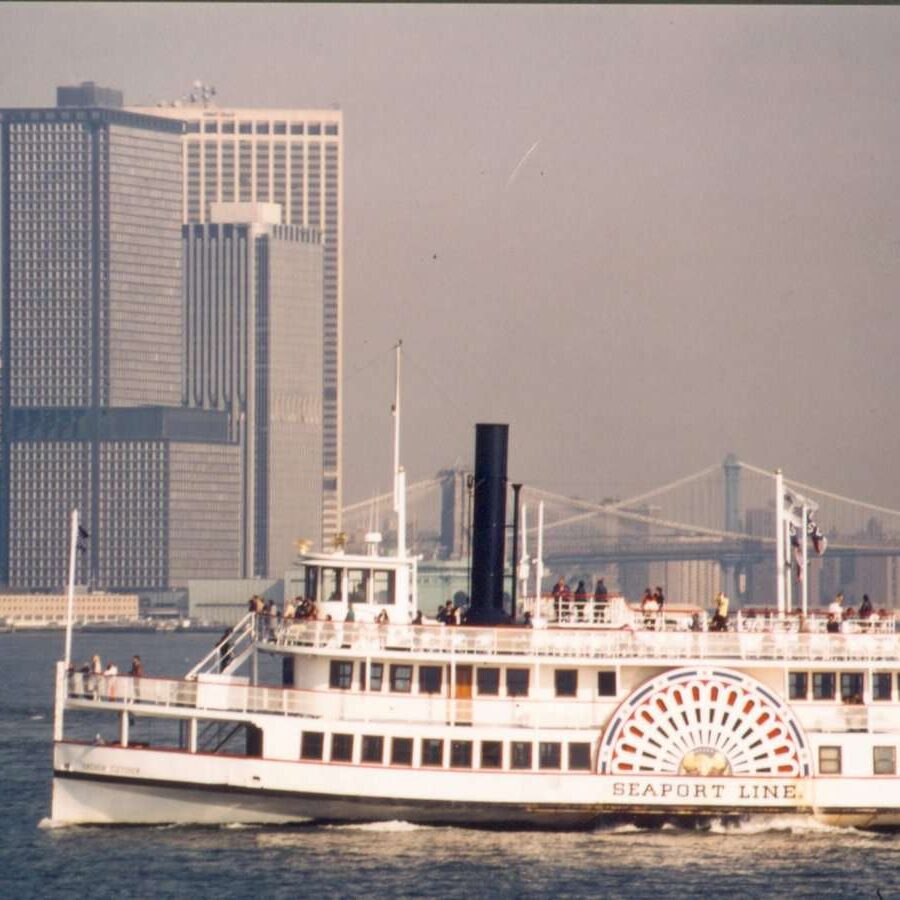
[
  {"x": 49, "y": 824},
  {"x": 763, "y": 824},
  {"x": 394, "y": 825}
]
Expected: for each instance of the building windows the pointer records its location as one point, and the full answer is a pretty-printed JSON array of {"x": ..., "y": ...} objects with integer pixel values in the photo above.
[
  {"x": 852, "y": 687},
  {"x": 579, "y": 757},
  {"x": 566, "y": 682},
  {"x": 520, "y": 755},
  {"x": 823, "y": 685},
  {"x": 311, "y": 744},
  {"x": 606, "y": 684},
  {"x": 884, "y": 760},
  {"x": 491, "y": 755},
  {"x": 881, "y": 685},
  {"x": 401, "y": 751},
  {"x": 517, "y": 682},
  {"x": 432, "y": 752},
  {"x": 376, "y": 676},
  {"x": 488, "y": 682},
  {"x": 340, "y": 676},
  {"x": 401, "y": 679},
  {"x": 460, "y": 754},
  {"x": 829, "y": 760},
  {"x": 342, "y": 748},
  {"x": 372, "y": 749},
  {"x": 430, "y": 679},
  {"x": 798, "y": 685}
]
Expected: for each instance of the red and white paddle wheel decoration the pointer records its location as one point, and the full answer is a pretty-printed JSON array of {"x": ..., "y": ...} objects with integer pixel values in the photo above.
[{"x": 706, "y": 722}]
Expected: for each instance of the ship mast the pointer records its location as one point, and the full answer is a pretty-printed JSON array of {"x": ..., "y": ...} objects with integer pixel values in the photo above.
[{"x": 399, "y": 473}]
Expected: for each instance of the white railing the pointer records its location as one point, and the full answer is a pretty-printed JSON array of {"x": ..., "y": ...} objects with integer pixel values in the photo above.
[
  {"x": 366, "y": 639},
  {"x": 815, "y": 623},
  {"x": 224, "y": 698}
]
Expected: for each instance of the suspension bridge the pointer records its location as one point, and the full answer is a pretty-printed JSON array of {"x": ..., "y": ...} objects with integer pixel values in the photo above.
[{"x": 712, "y": 529}]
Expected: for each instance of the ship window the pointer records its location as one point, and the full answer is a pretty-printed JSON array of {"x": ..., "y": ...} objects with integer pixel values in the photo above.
[
  {"x": 881, "y": 686},
  {"x": 579, "y": 757},
  {"x": 606, "y": 684},
  {"x": 372, "y": 749},
  {"x": 357, "y": 583},
  {"x": 852, "y": 687},
  {"x": 331, "y": 585},
  {"x": 384, "y": 587},
  {"x": 829, "y": 760},
  {"x": 520, "y": 755},
  {"x": 376, "y": 676},
  {"x": 429, "y": 679},
  {"x": 432, "y": 752},
  {"x": 549, "y": 755},
  {"x": 312, "y": 583},
  {"x": 401, "y": 679},
  {"x": 517, "y": 682},
  {"x": 884, "y": 760},
  {"x": 798, "y": 685},
  {"x": 340, "y": 676},
  {"x": 566, "y": 682},
  {"x": 342, "y": 747},
  {"x": 823, "y": 685},
  {"x": 401, "y": 751},
  {"x": 311, "y": 745},
  {"x": 488, "y": 681},
  {"x": 461, "y": 754},
  {"x": 491, "y": 755}
]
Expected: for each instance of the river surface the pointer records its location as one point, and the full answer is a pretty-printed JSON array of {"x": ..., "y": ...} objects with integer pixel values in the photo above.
[{"x": 770, "y": 858}]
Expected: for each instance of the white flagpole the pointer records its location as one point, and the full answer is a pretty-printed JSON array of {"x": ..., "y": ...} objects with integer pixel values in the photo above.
[{"x": 73, "y": 544}]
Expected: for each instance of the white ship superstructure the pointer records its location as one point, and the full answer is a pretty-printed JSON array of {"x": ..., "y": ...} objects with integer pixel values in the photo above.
[{"x": 594, "y": 711}]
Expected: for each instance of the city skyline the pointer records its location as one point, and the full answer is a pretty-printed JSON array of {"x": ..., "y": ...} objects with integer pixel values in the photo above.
[{"x": 698, "y": 254}]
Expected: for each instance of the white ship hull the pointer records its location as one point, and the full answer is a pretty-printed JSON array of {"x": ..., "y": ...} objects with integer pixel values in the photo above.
[{"x": 112, "y": 785}]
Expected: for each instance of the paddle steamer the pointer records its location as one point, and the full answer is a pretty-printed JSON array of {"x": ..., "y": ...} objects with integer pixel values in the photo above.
[{"x": 594, "y": 712}]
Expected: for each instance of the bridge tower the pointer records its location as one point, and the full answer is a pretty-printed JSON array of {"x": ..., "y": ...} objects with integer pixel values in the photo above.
[{"x": 732, "y": 469}]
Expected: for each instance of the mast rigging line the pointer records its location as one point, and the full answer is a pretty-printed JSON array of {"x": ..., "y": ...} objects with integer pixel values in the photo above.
[{"x": 821, "y": 492}]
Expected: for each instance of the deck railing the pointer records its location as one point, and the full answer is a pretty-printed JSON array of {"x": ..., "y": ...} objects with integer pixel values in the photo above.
[
  {"x": 368, "y": 639},
  {"x": 229, "y": 697}
]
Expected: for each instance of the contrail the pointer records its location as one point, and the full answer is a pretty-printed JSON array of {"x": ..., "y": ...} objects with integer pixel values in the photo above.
[{"x": 521, "y": 163}]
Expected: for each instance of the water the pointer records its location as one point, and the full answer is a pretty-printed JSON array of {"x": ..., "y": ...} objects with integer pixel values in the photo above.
[{"x": 774, "y": 858}]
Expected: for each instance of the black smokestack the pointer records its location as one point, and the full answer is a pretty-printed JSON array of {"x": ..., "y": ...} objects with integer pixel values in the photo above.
[{"x": 489, "y": 525}]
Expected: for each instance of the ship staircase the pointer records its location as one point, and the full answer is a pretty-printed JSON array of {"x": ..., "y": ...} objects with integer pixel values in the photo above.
[{"x": 231, "y": 651}]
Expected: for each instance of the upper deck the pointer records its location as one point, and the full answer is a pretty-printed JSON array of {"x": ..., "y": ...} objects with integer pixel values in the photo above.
[{"x": 626, "y": 645}]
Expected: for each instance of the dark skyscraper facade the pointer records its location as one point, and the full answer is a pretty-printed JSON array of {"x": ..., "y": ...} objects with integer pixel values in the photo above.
[
  {"x": 253, "y": 348},
  {"x": 92, "y": 316}
]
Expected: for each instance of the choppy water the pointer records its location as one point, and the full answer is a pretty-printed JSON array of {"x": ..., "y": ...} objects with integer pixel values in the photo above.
[{"x": 774, "y": 858}]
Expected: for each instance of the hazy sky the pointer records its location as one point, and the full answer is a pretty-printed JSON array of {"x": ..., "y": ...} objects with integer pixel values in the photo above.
[{"x": 701, "y": 254}]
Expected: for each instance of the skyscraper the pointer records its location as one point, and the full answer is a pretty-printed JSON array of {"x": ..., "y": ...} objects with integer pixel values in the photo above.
[
  {"x": 91, "y": 289},
  {"x": 253, "y": 348},
  {"x": 293, "y": 157}
]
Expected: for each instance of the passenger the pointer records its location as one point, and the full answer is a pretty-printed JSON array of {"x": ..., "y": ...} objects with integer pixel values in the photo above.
[
  {"x": 417, "y": 618},
  {"x": 290, "y": 610},
  {"x": 560, "y": 589},
  {"x": 351, "y": 616},
  {"x": 836, "y": 607},
  {"x": 526, "y": 620},
  {"x": 136, "y": 672},
  {"x": 109, "y": 680},
  {"x": 96, "y": 674},
  {"x": 660, "y": 598},
  {"x": 720, "y": 618},
  {"x": 580, "y": 600},
  {"x": 696, "y": 622},
  {"x": 225, "y": 650},
  {"x": 865, "y": 608},
  {"x": 648, "y": 608},
  {"x": 382, "y": 618}
]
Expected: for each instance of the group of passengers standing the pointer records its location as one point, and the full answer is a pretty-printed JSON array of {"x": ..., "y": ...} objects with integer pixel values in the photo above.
[{"x": 566, "y": 601}]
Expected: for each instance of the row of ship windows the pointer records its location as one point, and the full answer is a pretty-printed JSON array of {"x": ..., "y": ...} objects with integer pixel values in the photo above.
[
  {"x": 431, "y": 678},
  {"x": 848, "y": 687},
  {"x": 520, "y": 754}
]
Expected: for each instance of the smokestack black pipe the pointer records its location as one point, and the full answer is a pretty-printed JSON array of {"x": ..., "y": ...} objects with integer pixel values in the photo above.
[{"x": 489, "y": 525}]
